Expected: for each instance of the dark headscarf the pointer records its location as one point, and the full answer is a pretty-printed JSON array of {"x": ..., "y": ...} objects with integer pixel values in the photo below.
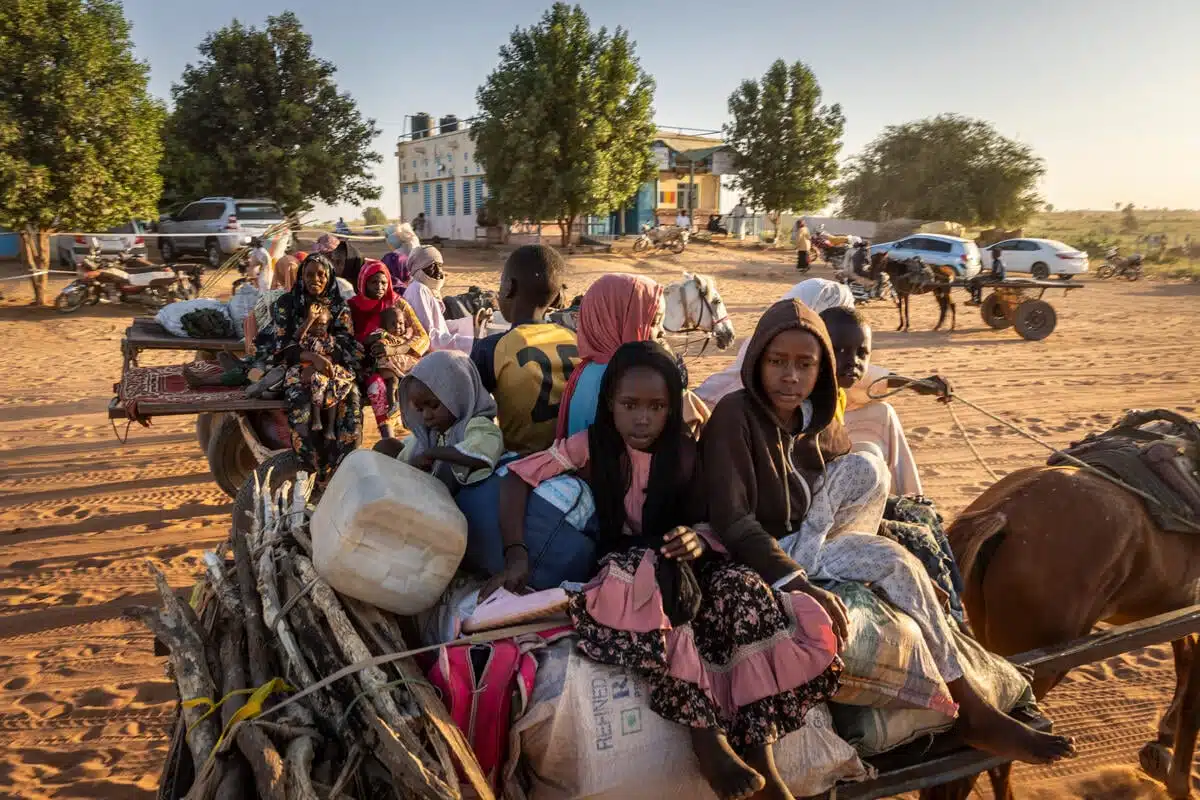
[
  {"x": 348, "y": 262},
  {"x": 673, "y": 463},
  {"x": 300, "y": 300}
]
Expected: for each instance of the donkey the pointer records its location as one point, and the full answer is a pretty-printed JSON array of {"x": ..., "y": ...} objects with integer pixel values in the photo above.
[{"x": 913, "y": 277}]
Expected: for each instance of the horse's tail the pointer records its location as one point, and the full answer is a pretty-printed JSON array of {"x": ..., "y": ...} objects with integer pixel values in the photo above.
[{"x": 968, "y": 534}]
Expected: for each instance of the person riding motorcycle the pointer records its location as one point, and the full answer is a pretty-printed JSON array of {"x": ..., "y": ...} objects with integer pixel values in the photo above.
[{"x": 860, "y": 262}]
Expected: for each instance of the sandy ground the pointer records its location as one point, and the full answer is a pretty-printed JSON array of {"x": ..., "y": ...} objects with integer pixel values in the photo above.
[{"x": 85, "y": 707}]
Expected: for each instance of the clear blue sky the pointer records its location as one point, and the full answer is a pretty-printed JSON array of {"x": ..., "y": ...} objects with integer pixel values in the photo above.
[{"x": 1107, "y": 92}]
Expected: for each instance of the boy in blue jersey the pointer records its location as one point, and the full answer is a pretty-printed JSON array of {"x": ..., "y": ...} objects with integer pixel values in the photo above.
[{"x": 527, "y": 366}]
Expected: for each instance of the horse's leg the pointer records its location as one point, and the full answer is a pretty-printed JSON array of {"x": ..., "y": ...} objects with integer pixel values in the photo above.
[
  {"x": 953, "y": 310},
  {"x": 1155, "y": 757},
  {"x": 941, "y": 301},
  {"x": 907, "y": 311},
  {"x": 900, "y": 308},
  {"x": 1179, "y": 778}
]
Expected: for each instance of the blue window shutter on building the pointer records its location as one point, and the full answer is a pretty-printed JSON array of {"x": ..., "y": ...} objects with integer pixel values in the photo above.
[
  {"x": 466, "y": 197},
  {"x": 438, "y": 200},
  {"x": 478, "y": 192},
  {"x": 428, "y": 202}
]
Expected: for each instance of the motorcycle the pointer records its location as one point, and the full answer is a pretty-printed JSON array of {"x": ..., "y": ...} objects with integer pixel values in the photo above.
[
  {"x": 1114, "y": 266},
  {"x": 882, "y": 290},
  {"x": 661, "y": 237},
  {"x": 831, "y": 252},
  {"x": 127, "y": 279}
]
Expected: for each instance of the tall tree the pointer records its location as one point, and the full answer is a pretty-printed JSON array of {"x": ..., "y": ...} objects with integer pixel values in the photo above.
[
  {"x": 374, "y": 216},
  {"x": 566, "y": 122},
  {"x": 1129, "y": 220},
  {"x": 785, "y": 141},
  {"x": 260, "y": 116},
  {"x": 79, "y": 136},
  {"x": 947, "y": 167}
]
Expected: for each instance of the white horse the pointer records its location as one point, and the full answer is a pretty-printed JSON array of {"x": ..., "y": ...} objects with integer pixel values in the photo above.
[{"x": 693, "y": 305}]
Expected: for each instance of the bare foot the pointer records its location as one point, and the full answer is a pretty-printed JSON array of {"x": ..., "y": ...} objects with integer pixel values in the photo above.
[
  {"x": 762, "y": 759},
  {"x": 727, "y": 774},
  {"x": 989, "y": 730}
]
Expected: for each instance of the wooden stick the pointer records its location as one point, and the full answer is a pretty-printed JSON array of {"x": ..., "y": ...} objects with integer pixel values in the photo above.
[
  {"x": 256, "y": 636},
  {"x": 353, "y": 758},
  {"x": 176, "y": 629},
  {"x": 416, "y": 770},
  {"x": 445, "y": 736},
  {"x": 268, "y": 590},
  {"x": 226, "y": 594},
  {"x": 300, "y": 754},
  {"x": 254, "y": 744}
]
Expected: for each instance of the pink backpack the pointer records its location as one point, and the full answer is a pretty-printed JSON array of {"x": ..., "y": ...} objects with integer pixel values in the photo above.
[{"x": 485, "y": 687}]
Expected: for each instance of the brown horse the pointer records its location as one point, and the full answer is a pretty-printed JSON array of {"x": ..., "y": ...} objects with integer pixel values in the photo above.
[
  {"x": 912, "y": 277},
  {"x": 1048, "y": 552}
]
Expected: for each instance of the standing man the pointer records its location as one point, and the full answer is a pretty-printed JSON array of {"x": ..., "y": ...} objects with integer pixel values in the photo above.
[
  {"x": 803, "y": 241},
  {"x": 739, "y": 219}
]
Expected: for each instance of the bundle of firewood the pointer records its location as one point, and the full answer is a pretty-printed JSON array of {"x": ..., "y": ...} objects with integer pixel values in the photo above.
[{"x": 284, "y": 692}]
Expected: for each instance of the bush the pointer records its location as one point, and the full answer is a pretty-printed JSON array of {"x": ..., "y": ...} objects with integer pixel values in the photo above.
[{"x": 1094, "y": 244}]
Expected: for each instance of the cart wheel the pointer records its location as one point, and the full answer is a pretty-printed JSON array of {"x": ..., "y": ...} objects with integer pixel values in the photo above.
[
  {"x": 1040, "y": 271},
  {"x": 992, "y": 312},
  {"x": 229, "y": 457},
  {"x": 282, "y": 466},
  {"x": 1035, "y": 320},
  {"x": 204, "y": 427}
]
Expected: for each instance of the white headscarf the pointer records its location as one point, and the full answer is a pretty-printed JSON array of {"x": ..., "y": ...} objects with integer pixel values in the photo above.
[{"x": 816, "y": 293}]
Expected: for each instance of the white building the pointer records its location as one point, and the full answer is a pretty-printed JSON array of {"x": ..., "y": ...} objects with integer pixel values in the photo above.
[{"x": 439, "y": 177}]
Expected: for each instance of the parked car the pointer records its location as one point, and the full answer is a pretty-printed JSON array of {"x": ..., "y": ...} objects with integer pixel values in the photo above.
[
  {"x": 1041, "y": 258},
  {"x": 215, "y": 227},
  {"x": 962, "y": 255},
  {"x": 127, "y": 237}
]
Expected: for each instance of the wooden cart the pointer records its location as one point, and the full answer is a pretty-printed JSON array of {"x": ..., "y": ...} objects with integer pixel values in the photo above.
[
  {"x": 1019, "y": 304},
  {"x": 235, "y": 432}
]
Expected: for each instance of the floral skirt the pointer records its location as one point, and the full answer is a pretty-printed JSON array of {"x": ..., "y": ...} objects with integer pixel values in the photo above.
[
  {"x": 915, "y": 524},
  {"x": 751, "y": 664}
]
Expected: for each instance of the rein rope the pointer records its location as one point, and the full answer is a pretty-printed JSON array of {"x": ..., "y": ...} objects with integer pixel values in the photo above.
[{"x": 909, "y": 382}]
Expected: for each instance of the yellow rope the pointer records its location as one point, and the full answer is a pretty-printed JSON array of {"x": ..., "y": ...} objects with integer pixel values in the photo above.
[{"x": 250, "y": 710}]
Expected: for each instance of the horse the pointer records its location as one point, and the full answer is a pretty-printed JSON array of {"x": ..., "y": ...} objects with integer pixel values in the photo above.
[
  {"x": 1048, "y": 552},
  {"x": 693, "y": 305},
  {"x": 912, "y": 277}
]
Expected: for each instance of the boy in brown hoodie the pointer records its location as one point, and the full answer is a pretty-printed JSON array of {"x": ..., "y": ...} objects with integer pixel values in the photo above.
[{"x": 789, "y": 500}]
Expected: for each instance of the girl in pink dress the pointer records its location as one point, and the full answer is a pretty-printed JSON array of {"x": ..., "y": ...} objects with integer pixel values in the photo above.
[{"x": 736, "y": 661}]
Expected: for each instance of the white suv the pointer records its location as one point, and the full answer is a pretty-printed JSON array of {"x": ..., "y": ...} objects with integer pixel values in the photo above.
[{"x": 215, "y": 227}]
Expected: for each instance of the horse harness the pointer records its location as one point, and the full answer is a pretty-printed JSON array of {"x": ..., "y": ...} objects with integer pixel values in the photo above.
[{"x": 692, "y": 325}]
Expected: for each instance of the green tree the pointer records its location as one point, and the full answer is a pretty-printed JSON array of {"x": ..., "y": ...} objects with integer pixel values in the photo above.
[
  {"x": 947, "y": 167},
  {"x": 566, "y": 122},
  {"x": 1129, "y": 221},
  {"x": 785, "y": 141},
  {"x": 373, "y": 216},
  {"x": 260, "y": 116},
  {"x": 79, "y": 136}
]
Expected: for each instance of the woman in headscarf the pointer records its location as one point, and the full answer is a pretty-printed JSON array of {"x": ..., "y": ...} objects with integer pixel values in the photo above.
[
  {"x": 320, "y": 451},
  {"x": 789, "y": 500},
  {"x": 452, "y": 419},
  {"x": 346, "y": 260},
  {"x": 616, "y": 309},
  {"x": 283, "y": 277},
  {"x": 405, "y": 241},
  {"x": 376, "y": 294},
  {"x": 424, "y": 294}
]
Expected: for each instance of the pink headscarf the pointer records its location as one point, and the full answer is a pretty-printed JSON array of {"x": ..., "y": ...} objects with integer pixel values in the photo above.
[
  {"x": 618, "y": 308},
  {"x": 327, "y": 243}
]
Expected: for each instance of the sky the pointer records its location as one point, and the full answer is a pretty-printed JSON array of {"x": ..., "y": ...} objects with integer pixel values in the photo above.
[{"x": 1107, "y": 92}]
